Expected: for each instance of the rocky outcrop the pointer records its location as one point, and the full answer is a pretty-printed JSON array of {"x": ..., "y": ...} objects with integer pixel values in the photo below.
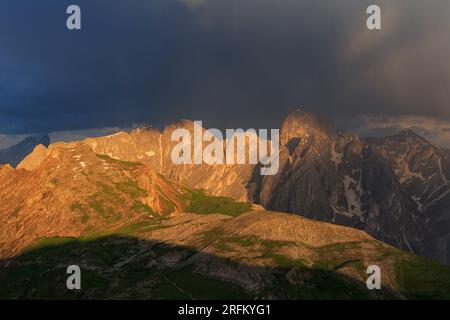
[
  {"x": 341, "y": 178},
  {"x": 421, "y": 170},
  {"x": 34, "y": 159},
  {"x": 74, "y": 191},
  {"x": 15, "y": 154},
  {"x": 154, "y": 148}
]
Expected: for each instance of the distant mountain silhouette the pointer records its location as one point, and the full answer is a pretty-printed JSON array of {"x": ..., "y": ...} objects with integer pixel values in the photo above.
[{"x": 15, "y": 154}]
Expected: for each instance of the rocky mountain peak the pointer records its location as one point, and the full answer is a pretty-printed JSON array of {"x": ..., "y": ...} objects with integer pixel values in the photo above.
[
  {"x": 42, "y": 138},
  {"x": 299, "y": 124},
  {"x": 34, "y": 159},
  {"x": 182, "y": 124},
  {"x": 14, "y": 154},
  {"x": 410, "y": 135},
  {"x": 144, "y": 130}
]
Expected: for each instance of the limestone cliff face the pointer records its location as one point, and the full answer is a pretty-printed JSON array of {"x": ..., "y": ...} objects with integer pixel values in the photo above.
[
  {"x": 395, "y": 188},
  {"x": 141, "y": 145},
  {"x": 154, "y": 148}
]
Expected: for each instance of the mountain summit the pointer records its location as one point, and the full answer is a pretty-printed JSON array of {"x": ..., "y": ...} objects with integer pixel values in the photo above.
[
  {"x": 298, "y": 123},
  {"x": 14, "y": 154}
]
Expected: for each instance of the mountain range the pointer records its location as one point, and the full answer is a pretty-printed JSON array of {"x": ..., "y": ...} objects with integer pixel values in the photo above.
[
  {"x": 396, "y": 188},
  {"x": 145, "y": 227}
]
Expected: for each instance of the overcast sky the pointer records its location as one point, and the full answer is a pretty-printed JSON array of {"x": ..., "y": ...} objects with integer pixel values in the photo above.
[{"x": 230, "y": 63}]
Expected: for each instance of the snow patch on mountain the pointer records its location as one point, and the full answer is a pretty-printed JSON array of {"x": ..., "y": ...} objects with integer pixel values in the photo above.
[
  {"x": 353, "y": 193},
  {"x": 409, "y": 175},
  {"x": 336, "y": 157}
]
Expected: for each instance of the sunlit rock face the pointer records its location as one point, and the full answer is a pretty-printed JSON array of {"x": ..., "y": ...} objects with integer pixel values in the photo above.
[{"x": 395, "y": 188}]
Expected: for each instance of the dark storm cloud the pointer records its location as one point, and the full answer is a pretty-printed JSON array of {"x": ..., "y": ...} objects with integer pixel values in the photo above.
[{"x": 231, "y": 63}]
